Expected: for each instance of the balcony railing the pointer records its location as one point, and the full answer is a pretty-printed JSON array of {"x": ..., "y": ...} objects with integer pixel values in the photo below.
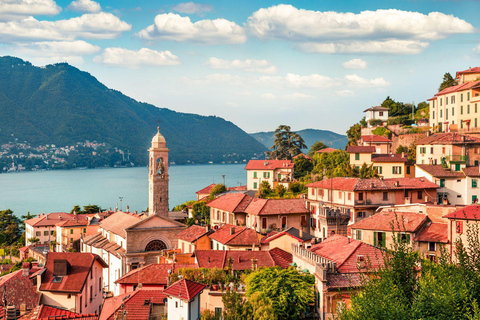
[{"x": 457, "y": 159}]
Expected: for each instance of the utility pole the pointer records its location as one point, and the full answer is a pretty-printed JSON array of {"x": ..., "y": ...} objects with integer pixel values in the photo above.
[
  {"x": 223, "y": 179},
  {"x": 121, "y": 198}
]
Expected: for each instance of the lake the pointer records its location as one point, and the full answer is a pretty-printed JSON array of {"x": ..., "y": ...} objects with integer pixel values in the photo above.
[{"x": 60, "y": 190}]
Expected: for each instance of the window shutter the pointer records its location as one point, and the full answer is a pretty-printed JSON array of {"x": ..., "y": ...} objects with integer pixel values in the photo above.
[
  {"x": 383, "y": 239},
  {"x": 399, "y": 237},
  {"x": 393, "y": 170},
  {"x": 399, "y": 170},
  {"x": 375, "y": 238},
  {"x": 408, "y": 238}
]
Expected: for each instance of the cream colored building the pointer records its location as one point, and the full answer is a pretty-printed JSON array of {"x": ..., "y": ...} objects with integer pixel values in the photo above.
[
  {"x": 273, "y": 171},
  {"x": 376, "y": 113}
]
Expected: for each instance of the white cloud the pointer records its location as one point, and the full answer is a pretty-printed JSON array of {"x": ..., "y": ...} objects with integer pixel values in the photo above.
[
  {"x": 311, "y": 81},
  {"x": 250, "y": 65},
  {"x": 85, "y": 6},
  {"x": 477, "y": 49},
  {"x": 192, "y": 7},
  {"x": 133, "y": 59},
  {"x": 215, "y": 78},
  {"x": 355, "y": 64},
  {"x": 89, "y": 26},
  {"x": 331, "y": 32},
  {"x": 344, "y": 93},
  {"x": 299, "y": 96},
  {"x": 18, "y": 9},
  {"x": 268, "y": 96},
  {"x": 177, "y": 28},
  {"x": 357, "y": 81}
]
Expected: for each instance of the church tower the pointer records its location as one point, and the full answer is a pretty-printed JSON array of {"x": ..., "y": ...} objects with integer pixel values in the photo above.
[{"x": 158, "y": 177}]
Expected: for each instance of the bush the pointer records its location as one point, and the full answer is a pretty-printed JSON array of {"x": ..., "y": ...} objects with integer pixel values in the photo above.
[
  {"x": 297, "y": 187},
  {"x": 375, "y": 122}
]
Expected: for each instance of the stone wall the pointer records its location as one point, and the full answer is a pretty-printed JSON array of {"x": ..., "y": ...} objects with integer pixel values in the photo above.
[{"x": 406, "y": 140}]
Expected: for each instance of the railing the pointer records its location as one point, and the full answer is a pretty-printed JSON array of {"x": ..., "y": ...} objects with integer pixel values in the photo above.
[
  {"x": 359, "y": 202},
  {"x": 457, "y": 159},
  {"x": 313, "y": 258}
]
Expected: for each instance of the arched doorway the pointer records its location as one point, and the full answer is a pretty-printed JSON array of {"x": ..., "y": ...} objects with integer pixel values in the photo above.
[{"x": 155, "y": 245}]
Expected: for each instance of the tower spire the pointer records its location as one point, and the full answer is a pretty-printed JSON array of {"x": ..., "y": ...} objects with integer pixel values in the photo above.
[{"x": 158, "y": 176}]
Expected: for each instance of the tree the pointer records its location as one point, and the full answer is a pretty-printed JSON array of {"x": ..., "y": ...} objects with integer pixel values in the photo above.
[
  {"x": 235, "y": 306},
  {"x": 280, "y": 190},
  {"x": 303, "y": 166},
  {"x": 201, "y": 212},
  {"x": 448, "y": 81},
  {"x": 76, "y": 210},
  {"x": 10, "y": 228},
  {"x": 367, "y": 172},
  {"x": 91, "y": 208},
  {"x": 287, "y": 144},
  {"x": 219, "y": 188},
  {"x": 285, "y": 292},
  {"x": 264, "y": 190},
  {"x": 318, "y": 145},
  {"x": 354, "y": 133}
]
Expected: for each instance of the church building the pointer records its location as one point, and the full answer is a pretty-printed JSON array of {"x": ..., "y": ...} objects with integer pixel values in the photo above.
[{"x": 126, "y": 240}]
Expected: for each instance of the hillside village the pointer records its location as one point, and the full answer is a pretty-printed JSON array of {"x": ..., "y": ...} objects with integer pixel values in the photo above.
[{"x": 327, "y": 218}]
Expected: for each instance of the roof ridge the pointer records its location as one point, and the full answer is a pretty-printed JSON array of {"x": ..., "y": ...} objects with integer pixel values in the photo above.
[
  {"x": 224, "y": 257},
  {"x": 358, "y": 244},
  {"x": 263, "y": 207}
]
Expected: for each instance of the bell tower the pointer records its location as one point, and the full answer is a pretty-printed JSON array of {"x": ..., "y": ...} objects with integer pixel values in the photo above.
[{"x": 158, "y": 177}]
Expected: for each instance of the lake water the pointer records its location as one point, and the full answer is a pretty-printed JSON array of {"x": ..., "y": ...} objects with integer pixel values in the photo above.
[{"x": 60, "y": 190}]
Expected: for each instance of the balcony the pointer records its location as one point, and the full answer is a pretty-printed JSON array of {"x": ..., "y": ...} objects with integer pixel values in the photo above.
[{"x": 457, "y": 159}]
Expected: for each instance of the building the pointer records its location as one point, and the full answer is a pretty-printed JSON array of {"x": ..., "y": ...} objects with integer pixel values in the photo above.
[
  {"x": 229, "y": 209},
  {"x": 381, "y": 144},
  {"x": 194, "y": 238},
  {"x": 69, "y": 231},
  {"x": 273, "y": 171},
  {"x": 139, "y": 305},
  {"x": 205, "y": 192},
  {"x": 285, "y": 239},
  {"x": 339, "y": 265},
  {"x": 43, "y": 226},
  {"x": 456, "y": 108},
  {"x": 459, "y": 222},
  {"x": 376, "y": 113},
  {"x": 158, "y": 176},
  {"x": 73, "y": 281},
  {"x": 230, "y": 237},
  {"x": 335, "y": 203},
  {"x": 184, "y": 300},
  {"x": 44, "y": 312}
]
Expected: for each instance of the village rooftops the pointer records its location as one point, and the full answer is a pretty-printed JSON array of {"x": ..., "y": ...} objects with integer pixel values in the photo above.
[
  {"x": 97, "y": 240},
  {"x": 325, "y": 150},
  {"x": 469, "y": 70},
  {"x": 291, "y": 232},
  {"x": 389, "y": 158},
  {"x": 236, "y": 236},
  {"x": 51, "y": 219},
  {"x": 136, "y": 304},
  {"x": 471, "y": 212},
  {"x": 16, "y": 288},
  {"x": 357, "y": 184},
  {"x": 269, "y": 164},
  {"x": 243, "y": 260},
  {"x": 345, "y": 252},
  {"x": 231, "y": 202},
  {"x": 194, "y": 232},
  {"x": 207, "y": 189},
  {"x": 77, "y": 266},
  {"x": 436, "y": 170},
  {"x": 459, "y": 87},
  {"x": 79, "y": 221},
  {"x": 448, "y": 139},
  {"x": 263, "y": 207},
  {"x": 375, "y": 138},
  {"x": 392, "y": 221},
  {"x": 434, "y": 232},
  {"x": 119, "y": 221},
  {"x": 45, "y": 312},
  {"x": 184, "y": 289},
  {"x": 377, "y": 108},
  {"x": 153, "y": 274},
  {"x": 472, "y": 171},
  {"x": 361, "y": 149}
]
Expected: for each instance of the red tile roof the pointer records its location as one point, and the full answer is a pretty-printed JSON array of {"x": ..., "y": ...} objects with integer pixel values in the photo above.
[
  {"x": 302, "y": 156},
  {"x": 269, "y": 164},
  {"x": 447, "y": 139},
  {"x": 239, "y": 188},
  {"x": 236, "y": 236},
  {"x": 153, "y": 274},
  {"x": 231, "y": 202},
  {"x": 262, "y": 207},
  {"x": 50, "y": 219},
  {"x": 345, "y": 251},
  {"x": 375, "y": 138},
  {"x": 193, "y": 233},
  {"x": 119, "y": 221},
  {"x": 388, "y": 158},
  {"x": 471, "y": 212},
  {"x": 436, "y": 170},
  {"x": 290, "y": 232},
  {"x": 377, "y": 108},
  {"x": 184, "y": 289},
  {"x": 79, "y": 266},
  {"x": 434, "y": 232},
  {"x": 132, "y": 304},
  {"x": 242, "y": 260},
  {"x": 459, "y": 87},
  {"x": 337, "y": 281},
  {"x": 385, "y": 220},
  {"x": 361, "y": 149},
  {"x": 469, "y": 70},
  {"x": 357, "y": 184},
  {"x": 44, "y": 312},
  {"x": 472, "y": 171},
  {"x": 325, "y": 150},
  {"x": 97, "y": 240},
  {"x": 207, "y": 189},
  {"x": 19, "y": 289}
]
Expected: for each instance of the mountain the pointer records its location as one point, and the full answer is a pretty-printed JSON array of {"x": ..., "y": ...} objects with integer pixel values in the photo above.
[
  {"x": 310, "y": 136},
  {"x": 59, "y": 104}
]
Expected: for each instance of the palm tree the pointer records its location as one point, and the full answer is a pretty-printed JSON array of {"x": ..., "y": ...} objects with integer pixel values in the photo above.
[{"x": 287, "y": 144}]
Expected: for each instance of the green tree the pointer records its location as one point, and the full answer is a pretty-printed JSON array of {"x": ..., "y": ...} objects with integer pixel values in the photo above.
[
  {"x": 76, "y": 209},
  {"x": 367, "y": 172},
  {"x": 354, "y": 133},
  {"x": 201, "y": 212},
  {"x": 286, "y": 290},
  {"x": 303, "y": 166},
  {"x": 10, "y": 228},
  {"x": 331, "y": 164},
  {"x": 235, "y": 306},
  {"x": 280, "y": 190},
  {"x": 219, "y": 188},
  {"x": 448, "y": 81},
  {"x": 264, "y": 190},
  {"x": 287, "y": 144},
  {"x": 318, "y": 145},
  {"x": 382, "y": 131}
]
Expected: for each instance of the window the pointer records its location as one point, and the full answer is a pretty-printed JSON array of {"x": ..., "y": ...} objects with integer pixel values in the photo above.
[
  {"x": 71, "y": 240},
  {"x": 474, "y": 183},
  {"x": 475, "y": 122},
  {"x": 91, "y": 293},
  {"x": 84, "y": 230},
  {"x": 441, "y": 113},
  {"x": 433, "y": 115},
  {"x": 385, "y": 196},
  {"x": 361, "y": 214},
  {"x": 176, "y": 304},
  {"x": 254, "y": 185},
  {"x": 51, "y": 232},
  {"x": 313, "y": 192},
  {"x": 476, "y": 162},
  {"x": 80, "y": 311},
  {"x": 440, "y": 103},
  {"x": 459, "y": 227},
  {"x": 223, "y": 217},
  {"x": 264, "y": 223},
  {"x": 360, "y": 196},
  {"x": 453, "y": 111},
  {"x": 358, "y": 234},
  {"x": 100, "y": 284},
  {"x": 457, "y": 167},
  {"x": 475, "y": 108},
  {"x": 461, "y": 97},
  {"x": 254, "y": 174},
  {"x": 45, "y": 233},
  {"x": 468, "y": 96},
  {"x": 468, "y": 109},
  {"x": 266, "y": 175},
  {"x": 408, "y": 169},
  {"x": 38, "y": 233},
  {"x": 218, "y": 313},
  {"x": 453, "y": 99},
  {"x": 474, "y": 199},
  {"x": 378, "y": 169},
  {"x": 71, "y": 231},
  {"x": 340, "y": 194},
  {"x": 397, "y": 170},
  {"x": 443, "y": 150},
  {"x": 357, "y": 156},
  {"x": 349, "y": 196},
  {"x": 446, "y": 114},
  {"x": 379, "y": 239},
  {"x": 304, "y": 220},
  {"x": 419, "y": 195},
  {"x": 461, "y": 109},
  {"x": 432, "y": 246},
  {"x": 431, "y": 150},
  {"x": 284, "y": 222},
  {"x": 403, "y": 237}
]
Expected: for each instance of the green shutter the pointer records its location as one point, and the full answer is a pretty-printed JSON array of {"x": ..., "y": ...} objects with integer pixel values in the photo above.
[
  {"x": 254, "y": 174},
  {"x": 254, "y": 185},
  {"x": 399, "y": 170},
  {"x": 474, "y": 183},
  {"x": 357, "y": 156},
  {"x": 442, "y": 183},
  {"x": 393, "y": 170},
  {"x": 375, "y": 238},
  {"x": 383, "y": 239},
  {"x": 408, "y": 238}
]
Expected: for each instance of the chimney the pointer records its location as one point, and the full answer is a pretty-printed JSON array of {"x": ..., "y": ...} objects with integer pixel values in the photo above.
[
  {"x": 59, "y": 217},
  {"x": 11, "y": 313},
  {"x": 232, "y": 230},
  {"x": 254, "y": 264},
  {"x": 60, "y": 267},
  {"x": 26, "y": 269},
  {"x": 128, "y": 208},
  {"x": 300, "y": 233},
  {"x": 403, "y": 154}
]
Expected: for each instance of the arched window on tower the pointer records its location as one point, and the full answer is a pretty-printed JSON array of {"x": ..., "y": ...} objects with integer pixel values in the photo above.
[
  {"x": 155, "y": 245},
  {"x": 160, "y": 166}
]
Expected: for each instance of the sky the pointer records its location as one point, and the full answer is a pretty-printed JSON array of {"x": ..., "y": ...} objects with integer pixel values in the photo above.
[{"x": 258, "y": 64}]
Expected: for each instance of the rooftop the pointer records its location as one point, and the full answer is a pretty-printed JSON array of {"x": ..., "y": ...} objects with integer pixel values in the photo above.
[
  {"x": 437, "y": 170},
  {"x": 119, "y": 221},
  {"x": 231, "y": 202},
  {"x": 193, "y": 233},
  {"x": 45, "y": 312},
  {"x": 469, "y": 70},
  {"x": 471, "y": 212},
  {"x": 325, "y": 150},
  {"x": 434, "y": 232},
  {"x": 269, "y": 164},
  {"x": 291, "y": 232},
  {"x": 153, "y": 274},
  {"x": 207, "y": 189},
  {"x": 377, "y": 108},
  {"x": 132, "y": 303},
  {"x": 97, "y": 240},
  {"x": 16, "y": 288},
  {"x": 261, "y": 207},
  {"x": 459, "y": 87},
  {"x": 375, "y": 138},
  {"x": 386, "y": 220},
  {"x": 357, "y": 184},
  {"x": 184, "y": 289},
  {"x": 361, "y": 149},
  {"x": 51, "y": 219},
  {"x": 389, "y": 158},
  {"x": 447, "y": 139},
  {"x": 236, "y": 236}
]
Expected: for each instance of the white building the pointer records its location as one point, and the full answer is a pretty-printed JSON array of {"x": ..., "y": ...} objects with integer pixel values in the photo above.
[
  {"x": 43, "y": 226},
  {"x": 376, "y": 113},
  {"x": 184, "y": 300},
  {"x": 273, "y": 171}
]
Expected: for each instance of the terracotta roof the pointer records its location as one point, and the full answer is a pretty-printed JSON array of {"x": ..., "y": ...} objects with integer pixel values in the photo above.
[
  {"x": 325, "y": 150},
  {"x": 357, "y": 184},
  {"x": 238, "y": 188},
  {"x": 383, "y": 221},
  {"x": 447, "y": 139},
  {"x": 436, "y": 170},
  {"x": 345, "y": 251},
  {"x": 375, "y": 138},
  {"x": 388, "y": 158},
  {"x": 80, "y": 221},
  {"x": 303, "y": 156},
  {"x": 472, "y": 171},
  {"x": 153, "y": 274},
  {"x": 44, "y": 312},
  {"x": 262, "y": 207},
  {"x": 184, "y": 289},
  {"x": 434, "y": 232},
  {"x": 291, "y": 232},
  {"x": 231, "y": 202},
  {"x": 361, "y": 149},
  {"x": 242, "y": 260},
  {"x": 133, "y": 304},
  {"x": 469, "y": 70},
  {"x": 459, "y": 87},
  {"x": 236, "y": 236},
  {"x": 19, "y": 288},
  {"x": 471, "y": 212},
  {"x": 207, "y": 189},
  {"x": 193, "y": 232},
  {"x": 118, "y": 222},
  {"x": 50, "y": 219},
  {"x": 79, "y": 266},
  {"x": 269, "y": 164},
  {"x": 337, "y": 281},
  {"x": 97, "y": 240},
  {"x": 377, "y": 108}
]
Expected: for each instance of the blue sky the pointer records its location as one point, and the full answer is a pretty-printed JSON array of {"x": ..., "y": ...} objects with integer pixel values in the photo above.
[{"x": 259, "y": 64}]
